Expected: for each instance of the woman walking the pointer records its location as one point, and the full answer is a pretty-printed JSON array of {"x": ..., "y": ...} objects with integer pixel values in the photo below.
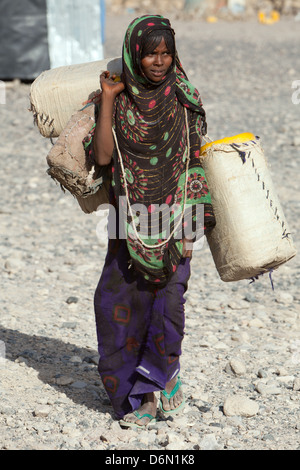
[{"x": 148, "y": 130}]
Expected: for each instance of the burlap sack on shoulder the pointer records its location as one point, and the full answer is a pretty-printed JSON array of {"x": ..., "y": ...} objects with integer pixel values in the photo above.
[
  {"x": 70, "y": 166},
  {"x": 58, "y": 93}
]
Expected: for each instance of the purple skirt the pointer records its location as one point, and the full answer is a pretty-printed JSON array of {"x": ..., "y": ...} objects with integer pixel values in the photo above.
[{"x": 139, "y": 328}]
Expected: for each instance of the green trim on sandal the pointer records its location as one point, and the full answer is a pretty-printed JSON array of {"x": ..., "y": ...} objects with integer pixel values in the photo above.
[
  {"x": 170, "y": 395},
  {"x": 127, "y": 424}
]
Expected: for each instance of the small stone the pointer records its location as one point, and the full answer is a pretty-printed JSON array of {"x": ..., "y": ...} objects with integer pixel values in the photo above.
[
  {"x": 70, "y": 430},
  {"x": 240, "y": 336},
  {"x": 296, "y": 141},
  {"x": 237, "y": 367},
  {"x": 268, "y": 437},
  {"x": 176, "y": 446},
  {"x": 72, "y": 300},
  {"x": 13, "y": 265},
  {"x": 92, "y": 359},
  {"x": 238, "y": 305},
  {"x": 240, "y": 406},
  {"x": 267, "y": 389},
  {"x": 162, "y": 438},
  {"x": 296, "y": 385},
  {"x": 79, "y": 385},
  {"x": 262, "y": 374},
  {"x": 209, "y": 442},
  {"x": 281, "y": 371},
  {"x": 204, "y": 409},
  {"x": 256, "y": 323},
  {"x": 76, "y": 360},
  {"x": 213, "y": 305},
  {"x": 67, "y": 277},
  {"x": 220, "y": 345},
  {"x": 42, "y": 411},
  {"x": 64, "y": 380},
  {"x": 286, "y": 379},
  {"x": 21, "y": 360},
  {"x": 250, "y": 298},
  {"x": 69, "y": 325},
  {"x": 284, "y": 298},
  {"x": 173, "y": 437}
]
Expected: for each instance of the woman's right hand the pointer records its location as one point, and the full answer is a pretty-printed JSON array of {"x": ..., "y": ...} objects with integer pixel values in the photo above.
[
  {"x": 109, "y": 85},
  {"x": 103, "y": 139}
]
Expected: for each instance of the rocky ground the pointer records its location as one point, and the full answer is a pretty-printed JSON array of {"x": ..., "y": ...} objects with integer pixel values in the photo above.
[
  {"x": 229, "y": 9},
  {"x": 241, "y": 352}
]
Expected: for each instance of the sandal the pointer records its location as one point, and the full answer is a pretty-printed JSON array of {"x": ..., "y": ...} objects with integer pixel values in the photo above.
[
  {"x": 169, "y": 396},
  {"x": 127, "y": 424}
]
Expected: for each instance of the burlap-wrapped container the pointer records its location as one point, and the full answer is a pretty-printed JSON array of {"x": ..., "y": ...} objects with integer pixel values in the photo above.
[
  {"x": 59, "y": 93},
  {"x": 73, "y": 169},
  {"x": 251, "y": 236}
]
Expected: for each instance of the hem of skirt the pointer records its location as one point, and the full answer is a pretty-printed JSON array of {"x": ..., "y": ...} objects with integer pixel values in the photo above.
[{"x": 141, "y": 387}]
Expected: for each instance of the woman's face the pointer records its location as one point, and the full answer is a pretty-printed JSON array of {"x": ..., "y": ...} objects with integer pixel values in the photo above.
[{"x": 156, "y": 64}]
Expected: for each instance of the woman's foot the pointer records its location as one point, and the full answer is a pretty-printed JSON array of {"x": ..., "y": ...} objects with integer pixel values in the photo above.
[
  {"x": 172, "y": 398},
  {"x": 144, "y": 415}
]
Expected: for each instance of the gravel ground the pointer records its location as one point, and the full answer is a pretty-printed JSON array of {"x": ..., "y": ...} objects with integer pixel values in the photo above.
[{"x": 241, "y": 352}]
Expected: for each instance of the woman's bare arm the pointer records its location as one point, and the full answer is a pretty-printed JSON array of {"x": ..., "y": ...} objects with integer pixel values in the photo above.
[{"x": 103, "y": 139}]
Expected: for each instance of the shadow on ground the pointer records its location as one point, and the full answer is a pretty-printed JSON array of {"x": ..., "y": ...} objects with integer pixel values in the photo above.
[{"x": 51, "y": 358}]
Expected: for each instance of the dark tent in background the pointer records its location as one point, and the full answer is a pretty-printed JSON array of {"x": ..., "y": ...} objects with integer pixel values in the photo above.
[{"x": 36, "y": 35}]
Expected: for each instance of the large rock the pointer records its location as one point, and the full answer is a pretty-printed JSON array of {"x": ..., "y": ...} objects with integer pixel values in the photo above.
[{"x": 240, "y": 406}]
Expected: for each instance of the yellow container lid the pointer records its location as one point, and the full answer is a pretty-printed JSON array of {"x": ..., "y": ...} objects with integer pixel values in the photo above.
[{"x": 236, "y": 139}]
